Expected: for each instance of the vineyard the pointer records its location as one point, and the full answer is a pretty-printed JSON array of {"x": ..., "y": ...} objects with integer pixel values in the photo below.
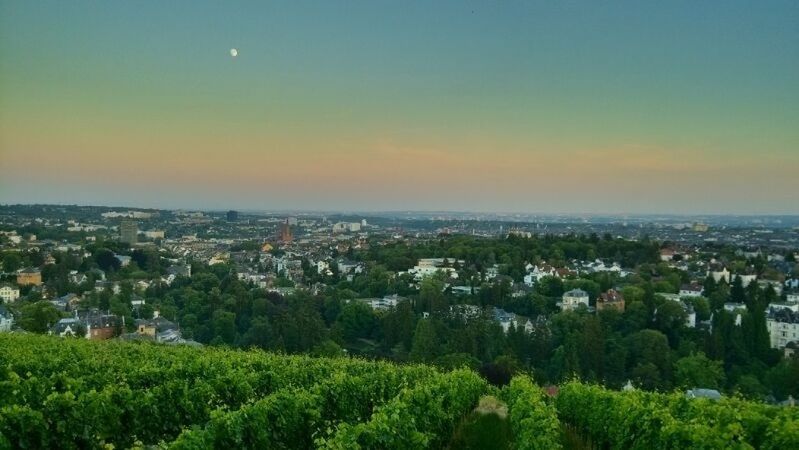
[{"x": 79, "y": 394}]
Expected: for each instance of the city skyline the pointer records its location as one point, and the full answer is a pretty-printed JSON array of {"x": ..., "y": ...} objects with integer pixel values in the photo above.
[{"x": 685, "y": 108}]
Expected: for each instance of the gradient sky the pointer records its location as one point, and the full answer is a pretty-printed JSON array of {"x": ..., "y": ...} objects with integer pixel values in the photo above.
[{"x": 637, "y": 107}]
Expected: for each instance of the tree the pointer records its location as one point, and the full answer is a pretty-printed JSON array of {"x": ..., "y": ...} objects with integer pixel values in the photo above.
[
  {"x": 650, "y": 347},
  {"x": 670, "y": 318},
  {"x": 398, "y": 325},
  {"x": 224, "y": 326},
  {"x": 647, "y": 375},
  {"x": 106, "y": 260},
  {"x": 697, "y": 371},
  {"x": 38, "y": 317},
  {"x": 11, "y": 262},
  {"x": 782, "y": 379},
  {"x": 425, "y": 341},
  {"x": 431, "y": 296},
  {"x": 592, "y": 349},
  {"x": 356, "y": 320},
  {"x": 737, "y": 291},
  {"x": 259, "y": 334},
  {"x": 327, "y": 348}
]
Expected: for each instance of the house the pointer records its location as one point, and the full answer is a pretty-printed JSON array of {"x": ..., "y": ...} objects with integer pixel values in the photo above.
[
  {"x": 114, "y": 287},
  {"x": 667, "y": 254},
  {"x": 691, "y": 290},
  {"x": 66, "y": 302},
  {"x": 463, "y": 290},
  {"x": 159, "y": 329},
  {"x": 765, "y": 284},
  {"x": 387, "y": 302},
  {"x": 711, "y": 394},
  {"x": 9, "y": 293},
  {"x": 747, "y": 278},
  {"x": 505, "y": 319},
  {"x": 99, "y": 326},
  {"x": 612, "y": 299},
  {"x": 6, "y": 319},
  {"x": 69, "y": 326},
  {"x": 136, "y": 301},
  {"x": 572, "y": 300},
  {"x": 719, "y": 275},
  {"x": 29, "y": 276},
  {"x": 345, "y": 267},
  {"x": 429, "y": 266},
  {"x": 323, "y": 268},
  {"x": 783, "y": 327},
  {"x": 77, "y": 278},
  {"x": 123, "y": 260},
  {"x": 732, "y": 307}
]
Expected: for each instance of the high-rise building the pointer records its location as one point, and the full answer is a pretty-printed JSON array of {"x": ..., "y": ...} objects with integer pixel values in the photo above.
[
  {"x": 128, "y": 232},
  {"x": 232, "y": 216}
]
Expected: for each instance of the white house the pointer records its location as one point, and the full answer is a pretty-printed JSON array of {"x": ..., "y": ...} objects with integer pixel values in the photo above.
[
  {"x": 573, "y": 299},
  {"x": 719, "y": 275},
  {"x": 430, "y": 266},
  {"x": 783, "y": 327},
  {"x": 9, "y": 293},
  {"x": 387, "y": 302},
  {"x": 746, "y": 279},
  {"x": 691, "y": 290},
  {"x": 123, "y": 260}
]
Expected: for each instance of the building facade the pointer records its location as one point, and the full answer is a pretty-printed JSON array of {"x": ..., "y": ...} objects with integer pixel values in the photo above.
[{"x": 128, "y": 232}]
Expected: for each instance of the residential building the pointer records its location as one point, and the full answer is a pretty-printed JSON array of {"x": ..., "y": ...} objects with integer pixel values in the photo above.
[
  {"x": 429, "y": 266},
  {"x": 612, "y": 299},
  {"x": 573, "y": 299},
  {"x": 783, "y": 327},
  {"x": 29, "y": 276},
  {"x": 99, "y": 326},
  {"x": 691, "y": 290},
  {"x": 8, "y": 293}
]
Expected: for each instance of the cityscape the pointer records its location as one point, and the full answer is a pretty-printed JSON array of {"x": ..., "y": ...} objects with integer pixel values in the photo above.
[{"x": 399, "y": 225}]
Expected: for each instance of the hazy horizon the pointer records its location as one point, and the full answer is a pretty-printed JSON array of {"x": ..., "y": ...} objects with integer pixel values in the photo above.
[{"x": 585, "y": 108}]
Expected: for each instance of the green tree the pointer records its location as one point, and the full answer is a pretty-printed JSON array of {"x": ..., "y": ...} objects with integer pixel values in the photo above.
[
  {"x": 697, "y": 371},
  {"x": 425, "y": 341},
  {"x": 11, "y": 262},
  {"x": 38, "y": 317},
  {"x": 355, "y": 321},
  {"x": 224, "y": 327}
]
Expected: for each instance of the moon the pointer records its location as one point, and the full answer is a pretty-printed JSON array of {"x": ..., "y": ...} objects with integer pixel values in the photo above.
[{"x": 234, "y": 52}]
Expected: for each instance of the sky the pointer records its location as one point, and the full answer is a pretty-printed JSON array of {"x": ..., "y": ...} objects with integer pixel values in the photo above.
[{"x": 495, "y": 106}]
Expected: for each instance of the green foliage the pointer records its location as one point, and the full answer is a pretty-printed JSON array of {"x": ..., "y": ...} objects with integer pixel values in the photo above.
[
  {"x": 37, "y": 317},
  {"x": 640, "y": 420},
  {"x": 419, "y": 417},
  {"x": 534, "y": 423},
  {"x": 57, "y": 393},
  {"x": 697, "y": 371}
]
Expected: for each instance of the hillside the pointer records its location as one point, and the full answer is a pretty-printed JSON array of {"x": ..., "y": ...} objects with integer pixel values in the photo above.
[{"x": 69, "y": 393}]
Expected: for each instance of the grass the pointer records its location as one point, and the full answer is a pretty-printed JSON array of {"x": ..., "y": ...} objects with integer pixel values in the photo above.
[{"x": 486, "y": 427}]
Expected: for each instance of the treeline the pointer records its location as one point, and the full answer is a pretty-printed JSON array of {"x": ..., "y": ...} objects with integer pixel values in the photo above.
[{"x": 514, "y": 252}]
